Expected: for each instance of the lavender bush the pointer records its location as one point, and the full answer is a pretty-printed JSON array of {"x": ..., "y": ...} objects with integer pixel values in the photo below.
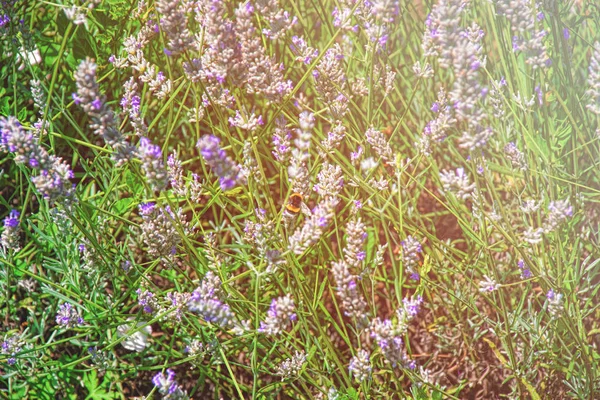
[{"x": 215, "y": 199}]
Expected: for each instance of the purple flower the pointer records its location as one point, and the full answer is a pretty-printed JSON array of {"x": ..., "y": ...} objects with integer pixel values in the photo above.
[
  {"x": 223, "y": 166},
  {"x": 4, "y": 19},
  {"x": 147, "y": 208},
  {"x": 12, "y": 221},
  {"x": 167, "y": 385},
  {"x": 566, "y": 33},
  {"x": 68, "y": 316}
]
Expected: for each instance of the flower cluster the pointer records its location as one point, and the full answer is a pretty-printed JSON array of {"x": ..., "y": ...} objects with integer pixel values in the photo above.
[
  {"x": 152, "y": 164},
  {"x": 558, "y": 212},
  {"x": 525, "y": 271},
  {"x": 188, "y": 188},
  {"x": 291, "y": 367},
  {"x": 488, "y": 285},
  {"x": 360, "y": 366},
  {"x": 131, "y": 104},
  {"x": 411, "y": 248},
  {"x": 10, "y": 235},
  {"x": 147, "y": 300},
  {"x": 457, "y": 182},
  {"x": 281, "y": 313},
  {"x": 53, "y": 179},
  {"x": 282, "y": 137},
  {"x": 173, "y": 23},
  {"x": 314, "y": 226},
  {"x": 353, "y": 301},
  {"x": 263, "y": 75},
  {"x": 526, "y": 39},
  {"x": 261, "y": 235},
  {"x": 68, "y": 317},
  {"x": 300, "y": 154},
  {"x": 356, "y": 233},
  {"x": 159, "y": 229},
  {"x": 145, "y": 71},
  {"x": 376, "y": 139},
  {"x": 11, "y": 345},
  {"x": 228, "y": 172},
  {"x": 515, "y": 156},
  {"x": 93, "y": 103},
  {"x": 168, "y": 387},
  {"x": 388, "y": 334},
  {"x": 206, "y": 301}
]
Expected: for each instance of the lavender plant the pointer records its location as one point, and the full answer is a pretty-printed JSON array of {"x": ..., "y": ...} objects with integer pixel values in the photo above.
[{"x": 291, "y": 199}]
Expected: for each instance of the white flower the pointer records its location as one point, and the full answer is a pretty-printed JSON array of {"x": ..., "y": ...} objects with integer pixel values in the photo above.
[
  {"x": 488, "y": 285},
  {"x": 136, "y": 340},
  {"x": 25, "y": 58}
]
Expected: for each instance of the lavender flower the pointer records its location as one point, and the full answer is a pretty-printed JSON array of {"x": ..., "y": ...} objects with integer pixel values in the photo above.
[
  {"x": 515, "y": 156},
  {"x": 330, "y": 78},
  {"x": 525, "y": 272},
  {"x": 223, "y": 166},
  {"x": 131, "y": 103},
  {"x": 279, "y": 19},
  {"x": 159, "y": 232},
  {"x": 174, "y": 24},
  {"x": 179, "y": 303},
  {"x": 394, "y": 352},
  {"x": 249, "y": 123},
  {"x": 53, "y": 179},
  {"x": 521, "y": 15},
  {"x": 437, "y": 129},
  {"x": 11, "y": 345},
  {"x": 152, "y": 164},
  {"x": 558, "y": 212},
  {"x": 488, "y": 285},
  {"x": 292, "y": 367},
  {"x": 380, "y": 144},
  {"x": 22, "y": 144},
  {"x": 411, "y": 248},
  {"x": 281, "y": 313},
  {"x": 330, "y": 181},
  {"x": 304, "y": 53},
  {"x": 38, "y": 95},
  {"x": 555, "y": 303},
  {"x": 263, "y": 75},
  {"x": 10, "y": 235},
  {"x": 353, "y": 302},
  {"x": 168, "y": 387},
  {"x": 354, "y": 252},
  {"x": 281, "y": 141},
  {"x": 206, "y": 302},
  {"x": 104, "y": 124},
  {"x": 68, "y": 317},
  {"x": 147, "y": 301},
  {"x": 333, "y": 140},
  {"x": 594, "y": 81},
  {"x": 457, "y": 182},
  {"x": 360, "y": 366},
  {"x": 303, "y": 137},
  {"x": 533, "y": 236},
  {"x": 313, "y": 227}
]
